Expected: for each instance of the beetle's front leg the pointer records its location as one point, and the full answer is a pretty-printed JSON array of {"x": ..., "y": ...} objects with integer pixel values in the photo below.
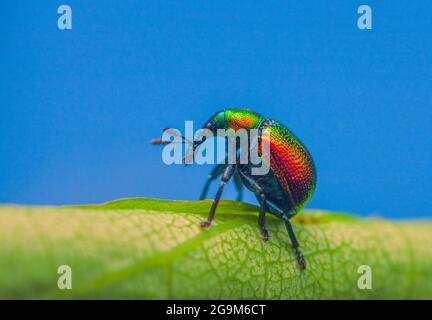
[
  {"x": 226, "y": 176},
  {"x": 216, "y": 172}
]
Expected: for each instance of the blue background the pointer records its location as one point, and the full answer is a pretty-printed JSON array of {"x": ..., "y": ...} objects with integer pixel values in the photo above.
[{"x": 78, "y": 107}]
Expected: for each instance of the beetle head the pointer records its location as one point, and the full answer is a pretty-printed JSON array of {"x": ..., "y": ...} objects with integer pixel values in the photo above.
[{"x": 217, "y": 121}]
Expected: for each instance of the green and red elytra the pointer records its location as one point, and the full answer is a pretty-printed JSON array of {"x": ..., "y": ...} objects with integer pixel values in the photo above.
[{"x": 287, "y": 186}]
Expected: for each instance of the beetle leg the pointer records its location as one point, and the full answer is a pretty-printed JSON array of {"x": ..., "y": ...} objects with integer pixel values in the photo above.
[
  {"x": 257, "y": 190},
  {"x": 295, "y": 244},
  {"x": 216, "y": 172},
  {"x": 279, "y": 213},
  {"x": 227, "y": 174},
  {"x": 261, "y": 219},
  {"x": 238, "y": 185}
]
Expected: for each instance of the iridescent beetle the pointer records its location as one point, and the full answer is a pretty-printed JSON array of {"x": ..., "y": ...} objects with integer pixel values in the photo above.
[{"x": 287, "y": 186}]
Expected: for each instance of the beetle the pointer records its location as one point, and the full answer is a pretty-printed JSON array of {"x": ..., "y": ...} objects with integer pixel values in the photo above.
[{"x": 283, "y": 190}]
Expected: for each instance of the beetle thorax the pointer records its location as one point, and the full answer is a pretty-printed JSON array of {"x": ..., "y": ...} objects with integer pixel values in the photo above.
[{"x": 242, "y": 119}]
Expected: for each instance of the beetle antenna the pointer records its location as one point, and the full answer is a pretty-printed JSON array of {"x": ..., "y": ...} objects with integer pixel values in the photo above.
[
  {"x": 159, "y": 141},
  {"x": 176, "y": 134}
]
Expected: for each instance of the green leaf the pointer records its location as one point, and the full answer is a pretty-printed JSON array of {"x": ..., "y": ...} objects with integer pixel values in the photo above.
[{"x": 146, "y": 248}]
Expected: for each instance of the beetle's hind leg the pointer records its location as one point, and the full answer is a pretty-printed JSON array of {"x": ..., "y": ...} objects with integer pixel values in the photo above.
[
  {"x": 238, "y": 185},
  {"x": 226, "y": 176},
  {"x": 261, "y": 219},
  {"x": 279, "y": 213},
  {"x": 259, "y": 194},
  {"x": 300, "y": 258}
]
